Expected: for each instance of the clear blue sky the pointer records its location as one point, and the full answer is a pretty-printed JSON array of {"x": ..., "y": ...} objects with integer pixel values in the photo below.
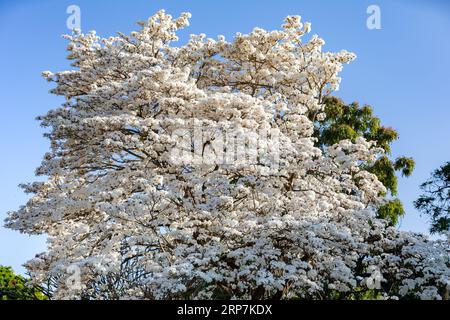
[{"x": 403, "y": 70}]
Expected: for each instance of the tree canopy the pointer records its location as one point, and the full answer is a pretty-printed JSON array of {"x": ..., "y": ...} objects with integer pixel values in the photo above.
[
  {"x": 16, "y": 287},
  {"x": 351, "y": 121},
  {"x": 435, "y": 201},
  {"x": 193, "y": 172}
]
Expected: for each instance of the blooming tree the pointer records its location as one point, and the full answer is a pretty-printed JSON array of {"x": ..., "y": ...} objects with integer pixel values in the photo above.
[{"x": 192, "y": 172}]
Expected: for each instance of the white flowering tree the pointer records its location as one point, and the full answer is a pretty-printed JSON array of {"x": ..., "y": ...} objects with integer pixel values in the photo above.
[{"x": 191, "y": 172}]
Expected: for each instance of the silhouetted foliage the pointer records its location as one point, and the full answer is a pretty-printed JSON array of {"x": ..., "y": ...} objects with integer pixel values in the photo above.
[{"x": 435, "y": 201}]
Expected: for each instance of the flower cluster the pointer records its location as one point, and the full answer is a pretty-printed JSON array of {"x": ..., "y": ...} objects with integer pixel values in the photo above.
[{"x": 138, "y": 223}]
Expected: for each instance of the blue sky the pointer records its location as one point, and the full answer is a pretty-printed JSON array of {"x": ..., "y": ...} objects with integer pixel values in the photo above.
[{"x": 402, "y": 70}]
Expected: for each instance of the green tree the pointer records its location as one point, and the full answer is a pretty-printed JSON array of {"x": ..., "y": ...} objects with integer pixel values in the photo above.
[
  {"x": 435, "y": 201},
  {"x": 350, "y": 121},
  {"x": 16, "y": 287}
]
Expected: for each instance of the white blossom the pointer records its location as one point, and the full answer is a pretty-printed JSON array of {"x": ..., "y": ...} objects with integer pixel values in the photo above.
[{"x": 142, "y": 223}]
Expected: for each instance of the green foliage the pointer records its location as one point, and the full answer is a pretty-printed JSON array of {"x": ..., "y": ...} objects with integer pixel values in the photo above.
[
  {"x": 15, "y": 287},
  {"x": 350, "y": 121},
  {"x": 385, "y": 172},
  {"x": 406, "y": 165},
  {"x": 435, "y": 201},
  {"x": 391, "y": 211}
]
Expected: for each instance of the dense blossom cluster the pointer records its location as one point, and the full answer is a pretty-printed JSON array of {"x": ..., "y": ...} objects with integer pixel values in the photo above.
[{"x": 139, "y": 223}]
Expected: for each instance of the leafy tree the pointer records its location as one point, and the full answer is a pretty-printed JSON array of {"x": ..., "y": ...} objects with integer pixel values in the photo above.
[
  {"x": 435, "y": 201},
  {"x": 350, "y": 121},
  {"x": 16, "y": 287}
]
